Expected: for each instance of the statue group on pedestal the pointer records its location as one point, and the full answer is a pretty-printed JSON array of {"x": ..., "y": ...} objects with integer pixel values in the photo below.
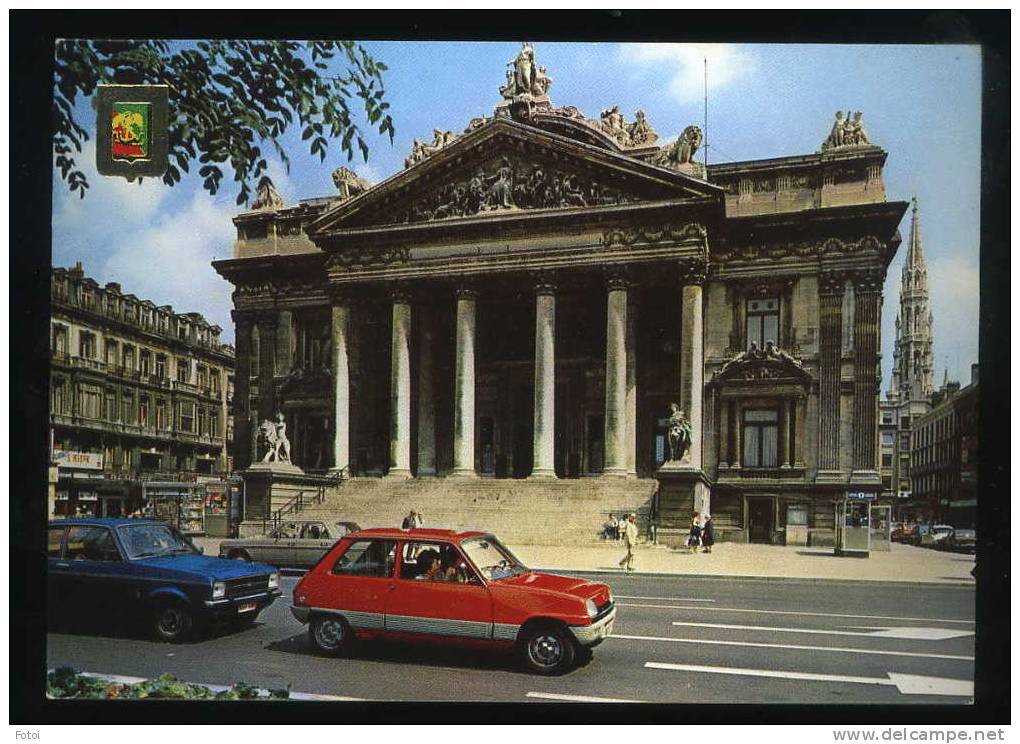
[
  {"x": 274, "y": 433},
  {"x": 680, "y": 434},
  {"x": 524, "y": 77},
  {"x": 846, "y": 132}
]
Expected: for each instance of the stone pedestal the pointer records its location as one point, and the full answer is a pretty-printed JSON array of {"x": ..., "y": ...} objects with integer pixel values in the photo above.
[
  {"x": 683, "y": 490},
  {"x": 270, "y": 486}
]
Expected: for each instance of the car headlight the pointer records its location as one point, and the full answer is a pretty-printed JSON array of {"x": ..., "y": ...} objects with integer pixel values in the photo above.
[
  {"x": 589, "y": 605},
  {"x": 219, "y": 589},
  {"x": 274, "y": 580}
]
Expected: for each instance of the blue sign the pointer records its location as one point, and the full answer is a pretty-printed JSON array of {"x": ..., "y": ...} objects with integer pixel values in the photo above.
[{"x": 861, "y": 495}]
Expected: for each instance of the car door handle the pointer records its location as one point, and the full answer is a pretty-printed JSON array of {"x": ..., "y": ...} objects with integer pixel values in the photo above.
[
  {"x": 63, "y": 565},
  {"x": 391, "y": 587}
]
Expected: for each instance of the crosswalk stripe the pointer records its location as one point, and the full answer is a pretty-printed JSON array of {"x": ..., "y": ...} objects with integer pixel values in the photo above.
[
  {"x": 907, "y": 684},
  {"x": 791, "y": 646},
  {"x": 928, "y": 634},
  {"x": 664, "y": 599},
  {"x": 577, "y": 698},
  {"x": 792, "y": 612}
]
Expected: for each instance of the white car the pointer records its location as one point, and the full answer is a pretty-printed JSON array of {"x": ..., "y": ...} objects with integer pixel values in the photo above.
[{"x": 935, "y": 536}]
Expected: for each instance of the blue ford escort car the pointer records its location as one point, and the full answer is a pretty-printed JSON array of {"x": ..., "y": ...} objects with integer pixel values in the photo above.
[{"x": 145, "y": 568}]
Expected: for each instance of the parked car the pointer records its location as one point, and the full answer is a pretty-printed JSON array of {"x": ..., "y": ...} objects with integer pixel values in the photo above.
[
  {"x": 145, "y": 569},
  {"x": 450, "y": 587},
  {"x": 962, "y": 540},
  {"x": 298, "y": 543},
  {"x": 935, "y": 536},
  {"x": 907, "y": 533}
]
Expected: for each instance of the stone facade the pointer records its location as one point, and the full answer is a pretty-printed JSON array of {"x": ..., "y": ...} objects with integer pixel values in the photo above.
[
  {"x": 136, "y": 392},
  {"x": 527, "y": 298}
]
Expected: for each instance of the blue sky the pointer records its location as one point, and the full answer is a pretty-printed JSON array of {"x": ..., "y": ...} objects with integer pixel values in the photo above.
[{"x": 922, "y": 104}]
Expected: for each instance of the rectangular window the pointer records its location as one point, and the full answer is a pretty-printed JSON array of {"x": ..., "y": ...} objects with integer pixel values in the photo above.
[
  {"x": 886, "y": 461},
  {"x": 111, "y": 353},
  {"x": 368, "y": 558},
  {"x": 905, "y": 422},
  {"x": 91, "y": 543},
  {"x": 90, "y": 401},
  {"x": 214, "y": 424},
  {"x": 55, "y": 537},
  {"x": 161, "y": 366},
  {"x": 888, "y": 440},
  {"x": 887, "y": 483},
  {"x": 59, "y": 338},
  {"x": 761, "y": 439},
  {"x": 143, "y": 410},
  {"x": 87, "y": 345},
  {"x": 762, "y": 322},
  {"x": 58, "y": 403},
  {"x": 203, "y": 376},
  {"x": 128, "y": 408},
  {"x": 129, "y": 358},
  {"x": 202, "y": 417},
  {"x": 186, "y": 416},
  {"x": 111, "y": 406},
  {"x": 145, "y": 362},
  {"x": 214, "y": 381},
  {"x": 183, "y": 370},
  {"x": 161, "y": 420}
]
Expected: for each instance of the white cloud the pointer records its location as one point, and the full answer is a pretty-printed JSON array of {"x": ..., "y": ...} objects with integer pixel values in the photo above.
[
  {"x": 156, "y": 241},
  {"x": 685, "y": 63},
  {"x": 954, "y": 289}
]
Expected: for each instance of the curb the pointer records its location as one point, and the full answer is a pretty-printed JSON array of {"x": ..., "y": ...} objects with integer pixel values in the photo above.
[
  {"x": 299, "y": 696},
  {"x": 963, "y": 583}
]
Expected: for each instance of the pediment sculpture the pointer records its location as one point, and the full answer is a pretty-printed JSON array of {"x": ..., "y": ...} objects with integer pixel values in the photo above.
[
  {"x": 847, "y": 132},
  {"x": 628, "y": 134},
  {"x": 770, "y": 363},
  {"x": 348, "y": 183},
  {"x": 681, "y": 151},
  {"x": 508, "y": 184},
  {"x": 266, "y": 196},
  {"x": 421, "y": 151}
]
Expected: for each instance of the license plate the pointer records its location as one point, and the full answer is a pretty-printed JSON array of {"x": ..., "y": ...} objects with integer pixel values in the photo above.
[{"x": 247, "y": 607}]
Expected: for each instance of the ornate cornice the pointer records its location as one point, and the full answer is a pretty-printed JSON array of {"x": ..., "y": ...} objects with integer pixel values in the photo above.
[
  {"x": 814, "y": 248},
  {"x": 770, "y": 364}
]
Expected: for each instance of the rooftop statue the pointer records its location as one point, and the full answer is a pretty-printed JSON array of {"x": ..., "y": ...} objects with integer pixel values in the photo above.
[
  {"x": 348, "y": 183},
  {"x": 266, "y": 196},
  {"x": 524, "y": 77},
  {"x": 846, "y": 132},
  {"x": 420, "y": 151},
  {"x": 682, "y": 150},
  {"x": 632, "y": 134}
]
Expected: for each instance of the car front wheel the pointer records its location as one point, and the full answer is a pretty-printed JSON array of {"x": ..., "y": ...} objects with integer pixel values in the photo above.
[
  {"x": 172, "y": 622},
  {"x": 329, "y": 634},
  {"x": 548, "y": 649}
]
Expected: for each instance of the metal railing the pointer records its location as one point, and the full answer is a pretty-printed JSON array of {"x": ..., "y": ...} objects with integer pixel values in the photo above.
[{"x": 297, "y": 504}]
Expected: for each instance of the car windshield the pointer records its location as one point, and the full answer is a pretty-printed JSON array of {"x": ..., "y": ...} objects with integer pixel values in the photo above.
[
  {"x": 147, "y": 540},
  {"x": 493, "y": 559}
]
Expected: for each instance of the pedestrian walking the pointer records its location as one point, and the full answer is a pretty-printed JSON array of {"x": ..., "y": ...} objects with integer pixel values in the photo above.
[
  {"x": 707, "y": 534},
  {"x": 694, "y": 537},
  {"x": 410, "y": 521},
  {"x": 629, "y": 540}
]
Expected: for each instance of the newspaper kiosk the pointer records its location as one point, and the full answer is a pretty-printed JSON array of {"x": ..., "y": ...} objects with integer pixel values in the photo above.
[{"x": 853, "y": 523}]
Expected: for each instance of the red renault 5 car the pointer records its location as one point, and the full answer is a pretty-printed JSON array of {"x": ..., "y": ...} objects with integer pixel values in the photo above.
[{"x": 450, "y": 587}]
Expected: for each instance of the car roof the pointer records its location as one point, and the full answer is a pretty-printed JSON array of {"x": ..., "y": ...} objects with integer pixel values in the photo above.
[
  {"x": 397, "y": 533},
  {"x": 103, "y": 521}
]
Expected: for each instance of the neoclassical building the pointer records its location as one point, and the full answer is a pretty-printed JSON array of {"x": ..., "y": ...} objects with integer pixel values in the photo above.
[{"x": 525, "y": 299}]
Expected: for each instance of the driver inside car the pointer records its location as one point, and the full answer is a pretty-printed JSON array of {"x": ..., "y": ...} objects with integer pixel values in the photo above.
[{"x": 430, "y": 568}]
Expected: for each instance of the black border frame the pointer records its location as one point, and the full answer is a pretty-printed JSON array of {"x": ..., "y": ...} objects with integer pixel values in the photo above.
[{"x": 31, "y": 60}]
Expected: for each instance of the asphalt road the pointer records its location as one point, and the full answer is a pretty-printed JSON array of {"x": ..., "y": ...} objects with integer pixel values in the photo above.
[{"x": 676, "y": 640}]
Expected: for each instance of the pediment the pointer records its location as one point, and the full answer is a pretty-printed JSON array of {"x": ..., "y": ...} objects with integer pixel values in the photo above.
[
  {"x": 504, "y": 167},
  {"x": 771, "y": 366}
]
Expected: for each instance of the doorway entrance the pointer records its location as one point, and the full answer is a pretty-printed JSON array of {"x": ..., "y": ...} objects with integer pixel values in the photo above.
[{"x": 759, "y": 519}]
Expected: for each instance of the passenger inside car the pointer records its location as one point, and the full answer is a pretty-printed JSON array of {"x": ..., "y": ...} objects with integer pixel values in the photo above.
[{"x": 429, "y": 566}]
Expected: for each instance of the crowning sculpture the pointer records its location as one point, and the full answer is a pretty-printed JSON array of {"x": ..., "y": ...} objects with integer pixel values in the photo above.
[
  {"x": 266, "y": 196},
  {"x": 524, "y": 77},
  {"x": 348, "y": 183},
  {"x": 847, "y": 132},
  {"x": 681, "y": 152}
]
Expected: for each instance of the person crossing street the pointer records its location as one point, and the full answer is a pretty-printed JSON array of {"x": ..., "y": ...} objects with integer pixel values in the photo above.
[{"x": 629, "y": 541}]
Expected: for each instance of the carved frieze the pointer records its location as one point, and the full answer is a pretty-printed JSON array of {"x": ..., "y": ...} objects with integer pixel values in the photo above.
[
  {"x": 510, "y": 183},
  {"x": 363, "y": 256},
  {"x": 768, "y": 364},
  {"x": 779, "y": 249},
  {"x": 619, "y": 237}
]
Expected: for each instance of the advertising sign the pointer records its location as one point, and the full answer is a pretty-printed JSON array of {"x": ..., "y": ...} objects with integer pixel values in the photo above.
[{"x": 69, "y": 459}]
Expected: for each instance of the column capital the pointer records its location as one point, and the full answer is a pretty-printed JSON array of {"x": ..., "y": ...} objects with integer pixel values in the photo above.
[
  {"x": 465, "y": 291},
  {"x": 693, "y": 270},
  {"x": 243, "y": 319},
  {"x": 616, "y": 278},
  {"x": 831, "y": 282},
  {"x": 868, "y": 280},
  {"x": 400, "y": 293},
  {"x": 266, "y": 318},
  {"x": 339, "y": 295},
  {"x": 544, "y": 282}
]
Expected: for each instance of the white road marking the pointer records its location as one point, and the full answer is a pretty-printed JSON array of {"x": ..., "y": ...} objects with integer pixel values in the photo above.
[
  {"x": 795, "y": 647},
  {"x": 665, "y": 599},
  {"x": 920, "y": 634},
  {"x": 907, "y": 684},
  {"x": 791, "y": 612},
  {"x": 577, "y": 698}
]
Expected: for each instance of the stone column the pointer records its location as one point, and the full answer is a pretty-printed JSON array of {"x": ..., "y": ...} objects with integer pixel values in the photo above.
[
  {"x": 241, "y": 444},
  {"x": 738, "y": 435},
  {"x": 787, "y": 429},
  {"x": 724, "y": 431},
  {"x": 544, "y": 464},
  {"x": 830, "y": 291},
  {"x": 800, "y": 432},
  {"x": 631, "y": 414},
  {"x": 867, "y": 308},
  {"x": 464, "y": 386},
  {"x": 284, "y": 342},
  {"x": 692, "y": 353},
  {"x": 616, "y": 378},
  {"x": 267, "y": 322},
  {"x": 426, "y": 393},
  {"x": 340, "y": 313},
  {"x": 400, "y": 387}
]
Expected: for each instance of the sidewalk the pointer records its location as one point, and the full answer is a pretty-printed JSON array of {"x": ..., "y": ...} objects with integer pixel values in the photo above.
[{"x": 903, "y": 563}]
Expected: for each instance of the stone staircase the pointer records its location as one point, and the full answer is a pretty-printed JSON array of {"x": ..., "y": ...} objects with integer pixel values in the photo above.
[{"x": 521, "y": 512}]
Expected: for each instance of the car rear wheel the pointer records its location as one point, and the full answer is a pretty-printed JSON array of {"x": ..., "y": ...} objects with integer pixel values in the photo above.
[
  {"x": 239, "y": 555},
  {"x": 548, "y": 649},
  {"x": 329, "y": 634},
  {"x": 172, "y": 622}
]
